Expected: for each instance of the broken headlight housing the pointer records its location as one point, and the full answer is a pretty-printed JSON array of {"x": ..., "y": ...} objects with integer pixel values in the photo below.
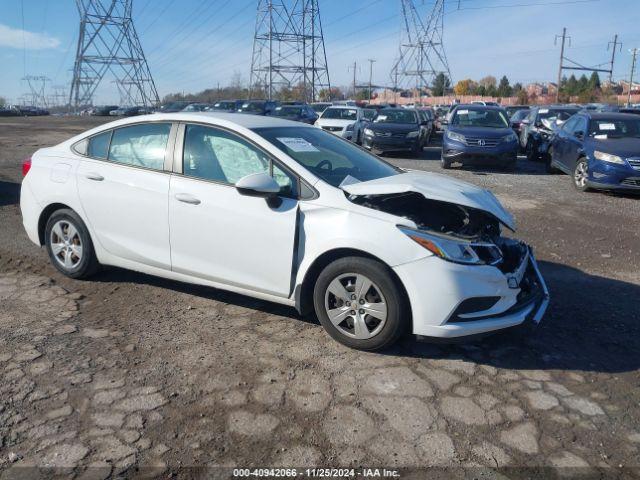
[{"x": 454, "y": 249}]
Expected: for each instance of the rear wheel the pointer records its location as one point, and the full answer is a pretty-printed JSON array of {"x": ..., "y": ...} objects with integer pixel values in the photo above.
[
  {"x": 69, "y": 245},
  {"x": 580, "y": 175},
  {"x": 359, "y": 303}
]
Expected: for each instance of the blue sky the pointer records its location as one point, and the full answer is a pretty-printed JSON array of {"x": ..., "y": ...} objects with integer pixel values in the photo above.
[{"x": 194, "y": 44}]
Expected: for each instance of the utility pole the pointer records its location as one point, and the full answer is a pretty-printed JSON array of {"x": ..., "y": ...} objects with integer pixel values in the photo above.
[
  {"x": 634, "y": 52},
  {"x": 371, "y": 62},
  {"x": 355, "y": 68},
  {"x": 613, "y": 55},
  {"x": 564, "y": 38}
]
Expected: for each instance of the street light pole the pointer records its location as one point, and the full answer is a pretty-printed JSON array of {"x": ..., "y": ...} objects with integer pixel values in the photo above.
[
  {"x": 371, "y": 62},
  {"x": 634, "y": 52}
]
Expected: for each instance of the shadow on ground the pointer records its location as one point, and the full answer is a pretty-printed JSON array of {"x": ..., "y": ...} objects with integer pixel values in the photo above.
[
  {"x": 9, "y": 193},
  {"x": 592, "y": 324}
]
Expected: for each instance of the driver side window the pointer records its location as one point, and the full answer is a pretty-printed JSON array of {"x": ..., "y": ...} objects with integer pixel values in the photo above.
[
  {"x": 140, "y": 145},
  {"x": 221, "y": 156},
  {"x": 569, "y": 126}
]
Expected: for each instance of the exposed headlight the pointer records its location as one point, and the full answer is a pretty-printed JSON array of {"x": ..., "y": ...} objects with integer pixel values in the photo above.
[
  {"x": 350, "y": 127},
  {"x": 368, "y": 132},
  {"x": 512, "y": 137},
  {"x": 456, "y": 136},
  {"x": 454, "y": 249},
  {"x": 608, "y": 157},
  {"x": 413, "y": 134}
]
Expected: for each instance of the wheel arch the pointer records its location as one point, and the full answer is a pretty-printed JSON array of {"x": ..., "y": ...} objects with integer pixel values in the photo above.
[
  {"x": 46, "y": 214},
  {"x": 304, "y": 291}
]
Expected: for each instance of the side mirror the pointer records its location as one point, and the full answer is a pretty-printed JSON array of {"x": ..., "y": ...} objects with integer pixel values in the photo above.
[
  {"x": 258, "y": 185},
  {"x": 579, "y": 134}
]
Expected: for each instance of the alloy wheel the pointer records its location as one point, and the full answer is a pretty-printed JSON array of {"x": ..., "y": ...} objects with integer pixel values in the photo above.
[
  {"x": 356, "y": 306},
  {"x": 66, "y": 244},
  {"x": 581, "y": 174}
]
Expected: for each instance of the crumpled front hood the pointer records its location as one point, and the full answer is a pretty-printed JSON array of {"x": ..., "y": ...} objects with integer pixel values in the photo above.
[{"x": 435, "y": 187}]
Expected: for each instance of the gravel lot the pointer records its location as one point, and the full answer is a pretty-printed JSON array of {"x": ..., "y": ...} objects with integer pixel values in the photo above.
[{"x": 132, "y": 375}]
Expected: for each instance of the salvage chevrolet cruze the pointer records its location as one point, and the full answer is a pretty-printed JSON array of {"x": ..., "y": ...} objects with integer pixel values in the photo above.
[{"x": 288, "y": 213}]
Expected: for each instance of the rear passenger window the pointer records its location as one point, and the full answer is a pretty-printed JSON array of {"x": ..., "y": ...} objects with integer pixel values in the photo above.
[
  {"x": 140, "y": 145},
  {"x": 98, "y": 146}
]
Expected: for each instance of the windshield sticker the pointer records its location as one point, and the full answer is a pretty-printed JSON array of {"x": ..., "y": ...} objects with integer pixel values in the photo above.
[
  {"x": 297, "y": 144},
  {"x": 602, "y": 136},
  {"x": 543, "y": 110},
  {"x": 463, "y": 112},
  {"x": 606, "y": 126},
  {"x": 348, "y": 180}
]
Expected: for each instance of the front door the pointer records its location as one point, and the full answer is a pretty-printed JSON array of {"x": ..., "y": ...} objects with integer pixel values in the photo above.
[
  {"x": 219, "y": 234},
  {"x": 124, "y": 189}
]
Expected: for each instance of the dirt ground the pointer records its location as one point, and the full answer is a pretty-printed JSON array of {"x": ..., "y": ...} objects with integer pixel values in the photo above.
[{"x": 133, "y": 376}]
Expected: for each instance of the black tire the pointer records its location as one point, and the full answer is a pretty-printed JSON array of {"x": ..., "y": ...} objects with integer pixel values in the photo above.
[
  {"x": 397, "y": 319},
  {"x": 581, "y": 187},
  {"x": 88, "y": 262},
  {"x": 444, "y": 163}
]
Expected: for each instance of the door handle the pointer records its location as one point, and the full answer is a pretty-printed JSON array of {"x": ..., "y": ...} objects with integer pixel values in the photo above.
[
  {"x": 94, "y": 176},
  {"x": 186, "y": 198}
]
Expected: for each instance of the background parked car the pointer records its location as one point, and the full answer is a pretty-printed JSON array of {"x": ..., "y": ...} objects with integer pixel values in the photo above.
[
  {"x": 8, "y": 111},
  {"x": 228, "y": 106},
  {"x": 396, "y": 130},
  {"x": 346, "y": 122},
  {"x": 428, "y": 119},
  {"x": 516, "y": 120},
  {"x": 197, "y": 107},
  {"x": 104, "y": 110},
  {"x": 299, "y": 113},
  {"x": 511, "y": 109},
  {"x": 29, "y": 111},
  {"x": 258, "y": 107},
  {"x": 173, "y": 107},
  {"x": 479, "y": 135},
  {"x": 599, "y": 150},
  {"x": 536, "y": 130}
]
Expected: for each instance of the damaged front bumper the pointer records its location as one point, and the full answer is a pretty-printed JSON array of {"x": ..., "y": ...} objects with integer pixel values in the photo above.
[{"x": 450, "y": 300}]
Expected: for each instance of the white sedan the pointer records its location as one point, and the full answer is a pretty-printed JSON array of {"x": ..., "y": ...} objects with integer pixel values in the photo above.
[{"x": 285, "y": 212}]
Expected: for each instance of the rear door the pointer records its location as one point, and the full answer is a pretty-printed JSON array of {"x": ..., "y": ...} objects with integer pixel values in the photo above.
[
  {"x": 560, "y": 143},
  {"x": 220, "y": 235},
  {"x": 123, "y": 187},
  {"x": 574, "y": 144}
]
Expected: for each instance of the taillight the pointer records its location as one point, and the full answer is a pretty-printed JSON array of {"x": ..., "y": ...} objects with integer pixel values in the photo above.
[{"x": 26, "y": 166}]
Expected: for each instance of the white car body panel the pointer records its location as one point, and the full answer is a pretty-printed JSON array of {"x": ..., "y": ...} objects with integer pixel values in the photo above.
[{"x": 239, "y": 243}]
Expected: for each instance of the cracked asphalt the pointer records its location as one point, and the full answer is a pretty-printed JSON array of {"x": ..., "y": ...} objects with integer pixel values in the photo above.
[{"x": 128, "y": 375}]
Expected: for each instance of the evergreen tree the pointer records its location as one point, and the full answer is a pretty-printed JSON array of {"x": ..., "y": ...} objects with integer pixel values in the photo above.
[
  {"x": 504, "y": 88},
  {"x": 440, "y": 85},
  {"x": 594, "y": 81}
]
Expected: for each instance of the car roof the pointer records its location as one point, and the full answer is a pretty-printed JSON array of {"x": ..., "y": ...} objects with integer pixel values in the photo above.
[
  {"x": 478, "y": 106},
  {"x": 241, "y": 120},
  {"x": 610, "y": 115}
]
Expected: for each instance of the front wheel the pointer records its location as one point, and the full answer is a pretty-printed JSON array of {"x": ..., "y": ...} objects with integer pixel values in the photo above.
[
  {"x": 580, "y": 175},
  {"x": 359, "y": 303},
  {"x": 69, "y": 245}
]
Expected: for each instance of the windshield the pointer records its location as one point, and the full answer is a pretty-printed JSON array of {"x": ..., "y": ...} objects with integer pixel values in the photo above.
[
  {"x": 341, "y": 113},
  {"x": 604, "y": 129},
  {"x": 252, "y": 107},
  {"x": 555, "y": 114},
  {"x": 287, "y": 111},
  {"x": 519, "y": 115},
  {"x": 320, "y": 107},
  {"x": 396, "y": 116},
  {"x": 327, "y": 156},
  {"x": 465, "y": 117}
]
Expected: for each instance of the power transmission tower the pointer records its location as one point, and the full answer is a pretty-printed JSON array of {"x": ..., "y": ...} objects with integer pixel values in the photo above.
[
  {"x": 108, "y": 42},
  {"x": 288, "y": 49},
  {"x": 37, "y": 85},
  {"x": 422, "y": 56}
]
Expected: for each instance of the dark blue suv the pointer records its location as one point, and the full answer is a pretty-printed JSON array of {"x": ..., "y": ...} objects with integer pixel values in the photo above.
[
  {"x": 599, "y": 151},
  {"x": 479, "y": 135}
]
